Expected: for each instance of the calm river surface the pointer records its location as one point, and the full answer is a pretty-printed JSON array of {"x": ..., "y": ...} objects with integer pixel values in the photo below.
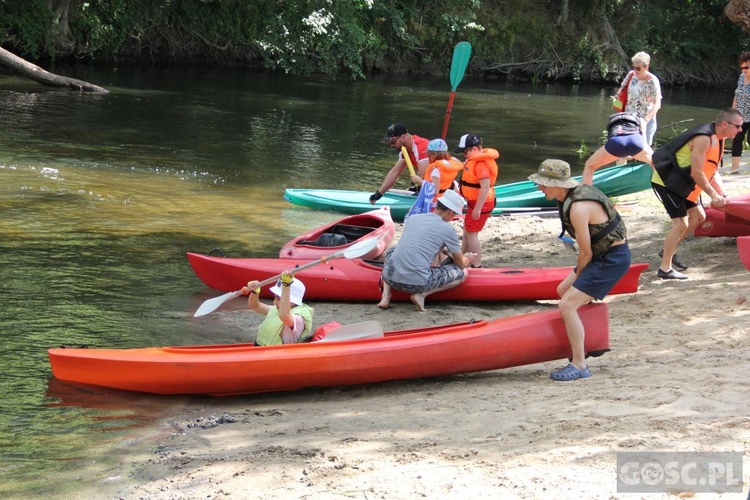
[{"x": 101, "y": 196}]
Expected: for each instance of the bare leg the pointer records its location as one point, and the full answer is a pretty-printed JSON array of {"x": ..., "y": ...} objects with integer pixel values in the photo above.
[
  {"x": 471, "y": 244},
  {"x": 385, "y": 299},
  {"x": 696, "y": 217},
  {"x": 597, "y": 160},
  {"x": 673, "y": 238},
  {"x": 418, "y": 298},
  {"x": 735, "y": 164},
  {"x": 569, "y": 304}
]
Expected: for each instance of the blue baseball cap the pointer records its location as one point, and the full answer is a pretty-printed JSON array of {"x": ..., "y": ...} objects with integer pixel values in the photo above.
[{"x": 438, "y": 145}]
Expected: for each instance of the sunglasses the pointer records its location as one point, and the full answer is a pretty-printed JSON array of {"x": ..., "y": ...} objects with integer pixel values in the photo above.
[
  {"x": 637, "y": 68},
  {"x": 738, "y": 126},
  {"x": 743, "y": 68}
]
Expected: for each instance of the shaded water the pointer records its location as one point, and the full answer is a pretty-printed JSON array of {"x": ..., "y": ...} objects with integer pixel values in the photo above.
[{"x": 101, "y": 196}]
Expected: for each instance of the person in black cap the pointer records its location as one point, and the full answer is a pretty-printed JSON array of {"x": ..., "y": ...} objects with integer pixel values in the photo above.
[
  {"x": 477, "y": 185},
  {"x": 398, "y": 135}
]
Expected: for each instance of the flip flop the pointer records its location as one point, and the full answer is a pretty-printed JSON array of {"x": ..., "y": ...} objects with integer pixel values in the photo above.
[{"x": 569, "y": 373}]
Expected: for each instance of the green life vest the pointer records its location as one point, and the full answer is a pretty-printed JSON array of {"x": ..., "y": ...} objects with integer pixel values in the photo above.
[
  {"x": 602, "y": 234},
  {"x": 269, "y": 331}
]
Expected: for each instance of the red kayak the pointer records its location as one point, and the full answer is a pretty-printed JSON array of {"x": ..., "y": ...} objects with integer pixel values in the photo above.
[
  {"x": 343, "y": 233},
  {"x": 224, "y": 370},
  {"x": 355, "y": 280},
  {"x": 743, "y": 247},
  {"x": 738, "y": 206},
  {"x": 719, "y": 223}
]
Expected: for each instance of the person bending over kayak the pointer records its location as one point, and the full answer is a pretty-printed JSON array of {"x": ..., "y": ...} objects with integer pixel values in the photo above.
[
  {"x": 283, "y": 323},
  {"x": 625, "y": 138},
  {"x": 441, "y": 171},
  {"x": 603, "y": 254},
  {"x": 416, "y": 148},
  {"x": 408, "y": 265}
]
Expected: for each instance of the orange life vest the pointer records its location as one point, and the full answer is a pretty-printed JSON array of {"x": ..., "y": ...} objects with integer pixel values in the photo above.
[
  {"x": 710, "y": 166},
  {"x": 449, "y": 169},
  {"x": 470, "y": 182}
]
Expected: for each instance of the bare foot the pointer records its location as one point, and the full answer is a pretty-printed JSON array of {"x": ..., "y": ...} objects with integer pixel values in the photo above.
[
  {"x": 385, "y": 299},
  {"x": 418, "y": 300}
]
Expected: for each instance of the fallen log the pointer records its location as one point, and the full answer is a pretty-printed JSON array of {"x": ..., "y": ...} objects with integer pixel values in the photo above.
[{"x": 44, "y": 77}]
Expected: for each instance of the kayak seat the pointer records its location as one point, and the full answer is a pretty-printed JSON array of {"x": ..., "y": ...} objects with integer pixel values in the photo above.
[
  {"x": 326, "y": 240},
  {"x": 351, "y": 233},
  {"x": 364, "y": 330}
]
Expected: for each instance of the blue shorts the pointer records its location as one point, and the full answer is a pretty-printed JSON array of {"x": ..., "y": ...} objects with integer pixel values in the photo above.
[
  {"x": 439, "y": 277},
  {"x": 602, "y": 273},
  {"x": 625, "y": 145}
]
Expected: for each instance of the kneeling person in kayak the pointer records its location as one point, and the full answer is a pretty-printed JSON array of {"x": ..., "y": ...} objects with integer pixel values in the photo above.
[
  {"x": 408, "y": 265},
  {"x": 603, "y": 254},
  {"x": 283, "y": 324}
]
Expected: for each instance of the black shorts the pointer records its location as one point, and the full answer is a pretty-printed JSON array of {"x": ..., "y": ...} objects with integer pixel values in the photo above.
[{"x": 676, "y": 205}]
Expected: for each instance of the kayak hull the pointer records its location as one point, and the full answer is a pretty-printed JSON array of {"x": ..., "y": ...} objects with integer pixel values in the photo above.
[
  {"x": 719, "y": 223},
  {"x": 738, "y": 206},
  {"x": 315, "y": 244},
  {"x": 357, "y": 280},
  {"x": 743, "y": 247},
  {"x": 523, "y": 195},
  {"x": 224, "y": 370}
]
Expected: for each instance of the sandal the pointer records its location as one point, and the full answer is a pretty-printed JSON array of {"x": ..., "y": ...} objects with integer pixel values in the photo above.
[{"x": 569, "y": 373}]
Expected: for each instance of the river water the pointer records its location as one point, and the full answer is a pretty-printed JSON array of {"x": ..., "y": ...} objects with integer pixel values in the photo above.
[{"x": 102, "y": 195}]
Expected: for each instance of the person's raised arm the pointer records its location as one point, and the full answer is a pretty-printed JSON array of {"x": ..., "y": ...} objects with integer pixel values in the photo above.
[
  {"x": 285, "y": 303},
  {"x": 252, "y": 290}
]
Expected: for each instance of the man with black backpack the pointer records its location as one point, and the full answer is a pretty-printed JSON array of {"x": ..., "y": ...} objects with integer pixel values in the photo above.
[
  {"x": 625, "y": 138},
  {"x": 685, "y": 167}
]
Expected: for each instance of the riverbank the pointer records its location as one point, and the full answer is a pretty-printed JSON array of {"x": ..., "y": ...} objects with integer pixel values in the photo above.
[{"x": 676, "y": 380}]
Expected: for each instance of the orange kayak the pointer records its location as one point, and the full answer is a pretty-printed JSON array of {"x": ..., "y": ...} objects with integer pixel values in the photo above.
[
  {"x": 224, "y": 370},
  {"x": 341, "y": 234}
]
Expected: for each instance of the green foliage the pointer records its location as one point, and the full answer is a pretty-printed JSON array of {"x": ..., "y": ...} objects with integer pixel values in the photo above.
[
  {"x": 28, "y": 25},
  {"x": 588, "y": 55},
  {"x": 539, "y": 39}
]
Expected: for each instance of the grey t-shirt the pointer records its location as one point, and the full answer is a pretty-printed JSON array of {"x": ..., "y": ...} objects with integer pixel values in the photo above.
[{"x": 424, "y": 235}]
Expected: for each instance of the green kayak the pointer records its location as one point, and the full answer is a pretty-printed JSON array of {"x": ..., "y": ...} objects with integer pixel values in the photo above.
[{"x": 513, "y": 197}]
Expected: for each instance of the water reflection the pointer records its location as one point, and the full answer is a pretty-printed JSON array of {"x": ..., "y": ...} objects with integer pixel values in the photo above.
[{"x": 101, "y": 196}]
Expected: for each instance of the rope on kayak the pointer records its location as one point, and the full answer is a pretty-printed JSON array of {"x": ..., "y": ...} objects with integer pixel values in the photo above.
[{"x": 218, "y": 251}]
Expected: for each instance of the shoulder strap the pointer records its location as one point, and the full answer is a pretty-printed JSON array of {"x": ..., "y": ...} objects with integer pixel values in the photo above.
[{"x": 608, "y": 229}]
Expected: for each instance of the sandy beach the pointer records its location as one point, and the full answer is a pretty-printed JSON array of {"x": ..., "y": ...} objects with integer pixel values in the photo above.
[{"x": 677, "y": 379}]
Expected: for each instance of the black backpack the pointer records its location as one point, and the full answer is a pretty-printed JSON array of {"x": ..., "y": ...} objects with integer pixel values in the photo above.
[{"x": 623, "y": 124}]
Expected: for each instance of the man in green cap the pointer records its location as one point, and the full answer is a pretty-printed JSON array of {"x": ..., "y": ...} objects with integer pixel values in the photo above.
[{"x": 603, "y": 254}]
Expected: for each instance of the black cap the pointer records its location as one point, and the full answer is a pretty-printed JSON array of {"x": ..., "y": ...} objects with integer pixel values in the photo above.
[
  {"x": 467, "y": 141},
  {"x": 397, "y": 129}
]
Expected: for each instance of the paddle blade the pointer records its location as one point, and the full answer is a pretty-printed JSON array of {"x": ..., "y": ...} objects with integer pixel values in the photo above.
[
  {"x": 461, "y": 55},
  {"x": 211, "y": 305},
  {"x": 360, "y": 248}
]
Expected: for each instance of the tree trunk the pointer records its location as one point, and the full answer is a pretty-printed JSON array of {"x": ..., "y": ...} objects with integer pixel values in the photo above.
[
  {"x": 738, "y": 12},
  {"x": 45, "y": 77}
]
